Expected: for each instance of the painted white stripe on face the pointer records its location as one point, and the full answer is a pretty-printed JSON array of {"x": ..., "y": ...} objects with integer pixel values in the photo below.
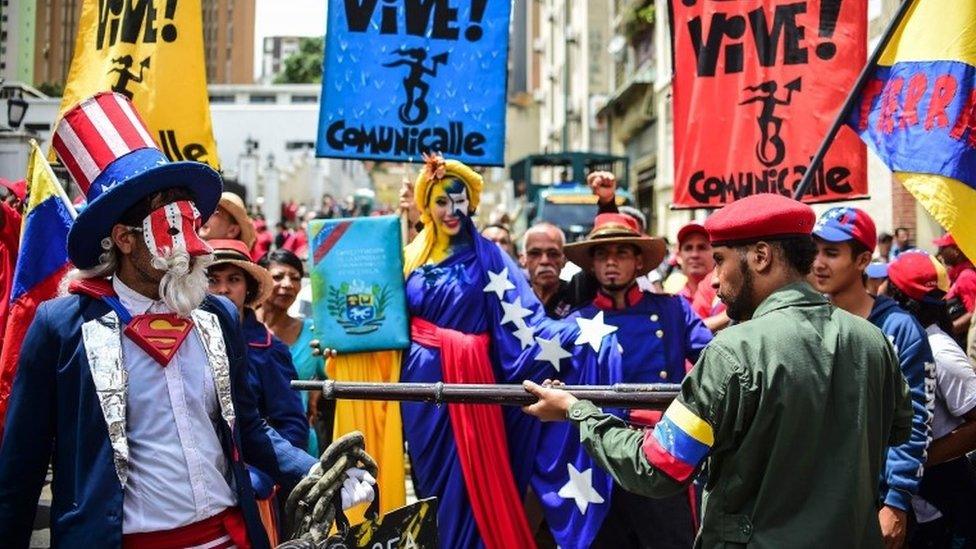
[
  {"x": 148, "y": 236},
  {"x": 105, "y": 128},
  {"x": 77, "y": 151},
  {"x": 459, "y": 201},
  {"x": 175, "y": 218}
]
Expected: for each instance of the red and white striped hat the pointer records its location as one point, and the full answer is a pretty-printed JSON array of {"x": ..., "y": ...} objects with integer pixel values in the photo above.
[
  {"x": 105, "y": 146},
  {"x": 95, "y": 133}
]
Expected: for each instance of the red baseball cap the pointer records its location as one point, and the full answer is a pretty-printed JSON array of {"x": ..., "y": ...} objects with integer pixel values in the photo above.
[
  {"x": 844, "y": 224},
  {"x": 917, "y": 274},
  {"x": 18, "y": 188},
  {"x": 758, "y": 217},
  {"x": 690, "y": 229},
  {"x": 945, "y": 240}
]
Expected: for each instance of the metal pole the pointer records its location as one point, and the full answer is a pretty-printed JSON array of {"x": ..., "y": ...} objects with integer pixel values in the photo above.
[
  {"x": 653, "y": 396},
  {"x": 852, "y": 98}
]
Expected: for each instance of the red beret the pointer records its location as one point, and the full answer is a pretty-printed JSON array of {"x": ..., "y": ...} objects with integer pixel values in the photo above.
[{"x": 760, "y": 217}]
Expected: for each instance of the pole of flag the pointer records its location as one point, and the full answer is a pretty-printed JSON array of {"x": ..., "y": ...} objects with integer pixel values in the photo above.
[{"x": 852, "y": 98}]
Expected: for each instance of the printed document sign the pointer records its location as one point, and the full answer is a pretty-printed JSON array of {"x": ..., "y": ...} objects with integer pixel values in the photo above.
[{"x": 358, "y": 298}]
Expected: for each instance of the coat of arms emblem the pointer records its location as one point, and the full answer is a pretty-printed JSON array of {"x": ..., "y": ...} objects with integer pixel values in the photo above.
[{"x": 358, "y": 307}]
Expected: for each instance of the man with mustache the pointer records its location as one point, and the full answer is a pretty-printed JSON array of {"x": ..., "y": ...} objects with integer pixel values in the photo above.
[
  {"x": 134, "y": 387},
  {"x": 543, "y": 259},
  {"x": 795, "y": 378},
  {"x": 657, "y": 334}
]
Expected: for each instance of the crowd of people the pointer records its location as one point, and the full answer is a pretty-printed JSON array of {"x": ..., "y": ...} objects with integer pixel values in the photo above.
[
  {"x": 826, "y": 394},
  {"x": 923, "y": 304}
]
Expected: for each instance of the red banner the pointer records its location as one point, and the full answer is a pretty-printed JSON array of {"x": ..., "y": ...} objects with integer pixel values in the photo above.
[{"x": 757, "y": 84}]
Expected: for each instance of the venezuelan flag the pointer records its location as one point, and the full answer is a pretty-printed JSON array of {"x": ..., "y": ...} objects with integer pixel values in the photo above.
[
  {"x": 679, "y": 442},
  {"x": 918, "y": 112},
  {"x": 42, "y": 262}
]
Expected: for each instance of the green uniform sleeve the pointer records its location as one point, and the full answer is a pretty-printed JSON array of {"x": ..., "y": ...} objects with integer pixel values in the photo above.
[
  {"x": 714, "y": 406},
  {"x": 617, "y": 449},
  {"x": 721, "y": 391}
]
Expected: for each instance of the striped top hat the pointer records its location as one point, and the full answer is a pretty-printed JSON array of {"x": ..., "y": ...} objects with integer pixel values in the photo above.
[{"x": 105, "y": 146}]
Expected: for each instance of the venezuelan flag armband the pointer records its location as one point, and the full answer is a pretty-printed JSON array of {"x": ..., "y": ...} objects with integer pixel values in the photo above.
[{"x": 679, "y": 442}]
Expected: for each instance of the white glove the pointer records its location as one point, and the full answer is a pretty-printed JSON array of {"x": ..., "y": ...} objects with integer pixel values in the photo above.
[{"x": 357, "y": 488}]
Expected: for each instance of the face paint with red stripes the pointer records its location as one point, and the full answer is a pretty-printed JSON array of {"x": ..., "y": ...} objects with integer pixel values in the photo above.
[{"x": 173, "y": 228}]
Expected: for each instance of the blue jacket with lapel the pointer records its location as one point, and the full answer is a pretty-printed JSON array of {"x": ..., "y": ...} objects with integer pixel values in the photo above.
[{"x": 55, "y": 414}]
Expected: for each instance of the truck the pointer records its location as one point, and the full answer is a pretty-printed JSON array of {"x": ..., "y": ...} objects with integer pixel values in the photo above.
[{"x": 552, "y": 188}]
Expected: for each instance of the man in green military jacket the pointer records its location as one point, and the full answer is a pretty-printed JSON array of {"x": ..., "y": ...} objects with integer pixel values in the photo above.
[{"x": 793, "y": 408}]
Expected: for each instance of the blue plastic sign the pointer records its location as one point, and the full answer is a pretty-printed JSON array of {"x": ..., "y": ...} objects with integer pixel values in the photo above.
[{"x": 407, "y": 77}]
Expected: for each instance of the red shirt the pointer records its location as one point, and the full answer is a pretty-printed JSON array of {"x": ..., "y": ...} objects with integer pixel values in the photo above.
[
  {"x": 963, "y": 277},
  {"x": 262, "y": 244},
  {"x": 297, "y": 243},
  {"x": 704, "y": 301}
]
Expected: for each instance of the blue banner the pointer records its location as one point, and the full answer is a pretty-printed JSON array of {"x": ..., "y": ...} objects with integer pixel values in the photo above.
[{"x": 403, "y": 78}]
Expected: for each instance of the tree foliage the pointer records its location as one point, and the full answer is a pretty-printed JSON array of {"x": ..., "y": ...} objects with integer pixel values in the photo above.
[
  {"x": 51, "y": 89},
  {"x": 305, "y": 65}
]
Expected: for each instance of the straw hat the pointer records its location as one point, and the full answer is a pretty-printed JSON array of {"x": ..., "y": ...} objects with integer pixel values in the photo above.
[
  {"x": 234, "y": 252},
  {"x": 235, "y": 207},
  {"x": 615, "y": 228}
]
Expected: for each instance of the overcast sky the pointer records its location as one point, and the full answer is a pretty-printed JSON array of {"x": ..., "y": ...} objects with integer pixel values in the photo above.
[{"x": 286, "y": 18}]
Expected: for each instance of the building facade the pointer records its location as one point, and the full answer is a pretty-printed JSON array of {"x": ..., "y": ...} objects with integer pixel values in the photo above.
[
  {"x": 571, "y": 39},
  {"x": 228, "y": 40},
  {"x": 37, "y": 41},
  {"x": 56, "y": 29},
  {"x": 274, "y": 52},
  {"x": 17, "y": 23},
  {"x": 637, "y": 112}
]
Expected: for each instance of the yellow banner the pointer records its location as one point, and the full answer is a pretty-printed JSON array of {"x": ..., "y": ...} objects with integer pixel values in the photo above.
[{"x": 152, "y": 52}]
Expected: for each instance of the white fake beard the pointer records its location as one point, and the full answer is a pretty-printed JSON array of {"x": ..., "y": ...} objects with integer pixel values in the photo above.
[{"x": 183, "y": 289}]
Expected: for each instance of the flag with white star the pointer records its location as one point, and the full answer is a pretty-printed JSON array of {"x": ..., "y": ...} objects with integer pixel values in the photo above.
[{"x": 483, "y": 294}]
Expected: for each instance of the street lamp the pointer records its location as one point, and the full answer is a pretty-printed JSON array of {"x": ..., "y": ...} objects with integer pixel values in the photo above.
[{"x": 16, "y": 110}]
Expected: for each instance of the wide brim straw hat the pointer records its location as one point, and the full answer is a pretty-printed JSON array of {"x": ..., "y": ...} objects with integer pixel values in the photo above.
[
  {"x": 234, "y": 252},
  {"x": 615, "y": 228},
  {"x": 234, "y": 205}
]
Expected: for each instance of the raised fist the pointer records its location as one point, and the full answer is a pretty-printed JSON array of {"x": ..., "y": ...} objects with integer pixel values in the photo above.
[{"x": 603, "y": 185}]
